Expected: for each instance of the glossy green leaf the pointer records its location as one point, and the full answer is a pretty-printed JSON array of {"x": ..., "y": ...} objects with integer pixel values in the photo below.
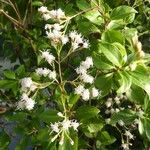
[
  {"x": 73, "y": 99},
  {"x": 111, "y": 53},
  {"x": 86, "y": 112},
  {"x": 104, "y": 83},
  {"x": 94, "y": 16},
  {"x": 112, "y": 36},
  {"x": 122, "y": 12},
  {"x": 49, "y": 116},
  {"x": 9, "y": 74},
  {"x": 8, "y": 84},
  {"x": 127, "y": 116},
  {"x": 101, "y": 62},
  {"x": 125, "y": 82},
  {"x": 83, "y": 4},
  {"x": 37, "y": 3},
  {"x": 105, "y": 138}
]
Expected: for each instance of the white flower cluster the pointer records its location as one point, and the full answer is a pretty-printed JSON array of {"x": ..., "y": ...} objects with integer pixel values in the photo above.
[
  {"x": 86, "y": 93},
  {"x": 25, "y": 103},
  {"x": 48, "y": 57},
  {"x": 46, "y": 72},
  {"x": 113, "y": 104},
  {"x": 27, "y": 84},
  {"x": 53, "y": 14},
  {"x": 82, "y": 70},
  {"x": 55, "y": 34},
  {"x": 64, "y": 126},
  {"x": 78, "y": 41}
]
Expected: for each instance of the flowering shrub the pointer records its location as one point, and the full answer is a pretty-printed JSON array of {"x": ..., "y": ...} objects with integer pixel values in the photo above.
[{"x": 82, "y": 81}]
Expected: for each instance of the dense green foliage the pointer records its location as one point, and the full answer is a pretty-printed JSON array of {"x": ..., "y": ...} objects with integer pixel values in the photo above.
[{"x": 118, "y": 32}]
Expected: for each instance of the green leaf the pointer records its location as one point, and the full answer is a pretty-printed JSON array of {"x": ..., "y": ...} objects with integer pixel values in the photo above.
[
  {"x": 37, "y": 3},
  {"x": 141, "y": 126},
  {"x": 86, "y": 112},
  {"x": 116, "y": 24},
  {"x": 95, "y": 127},
  {"x": 123, "y": 12},
  {"x": 83, "y": 4},
  {"x": 122, "y": 50},
  {"x": 101, "y": 62},
  {"x": 105, "y": 138},
  {"x": 147, "y": 128},
  {"x": 73, "y": 99},
  {"x": 112, "y": 36},
  {"x": 94, "y": 17},
  {"x": 86, "y": 27},
  {"x": 111, "y": 53},
  {"x": 147, "y": 104},
  {"x": 136, "y": 94},
  {"x": 49, "y": 116},
  {"x": 9, "y": 74},
  {"x": 20, "y": 71},
  {"x": 125, "y": 82},
  {"x": 127, "y": 116},
  {"x": 8, "y": 84},
  {"x": 104, "y": 83}
]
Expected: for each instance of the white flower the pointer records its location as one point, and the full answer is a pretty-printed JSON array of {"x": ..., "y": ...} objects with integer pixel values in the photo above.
[
  {"x": 64, "y": 39},
  {"x": 133, "y": 66},
  {"x": 77, "y": 40},
  {"x": 46, "y": 72},
  {"x": 48, "y": 57},
  {"x": 85, "y": 44},
  {"x": 57, "y": 14},
  {"x": 29, "y": 104},
  {"x": 81, "y": 70},
  {"x": 42, "y": 71},
  {"x": 25, "y": 102},
  {"x": 66, "y": 124},
  {"x": 87, "y": 63},
  {"x": 57, "y": 27},
  {"x": 117, "y": 100},
  {"x": 79, "y": 89},
  {"x": 52, "y": 75},
  {"x": 33, "y": 87},
  {"x": 75, "y": 124},
  {"x": 48, "y": 27},
  {"x": 75, "y": 46},
  {"x": 26, "y": 83},
  {"x": 87, "y": 78},
  {"x": 43, "y": 9},
  {"x": 39, "y": 71},
  {"x": 117, "y": 110},
  {"x": 95, "y": 92},
  {"x": 72, "y": 35},
  {"x": 46, "y": 17},
  {"x": 60, "y": 13},
  {"x": 85, "y": 95},
  {"x": 127, "y": 133},
  {"x": 60, "y": 114},
  {"x": 55, "y": 127},
  {"x": 109, "y": 102},
  {"x": 125, "y": 146},
  {"x": 107, "y": 120}
]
